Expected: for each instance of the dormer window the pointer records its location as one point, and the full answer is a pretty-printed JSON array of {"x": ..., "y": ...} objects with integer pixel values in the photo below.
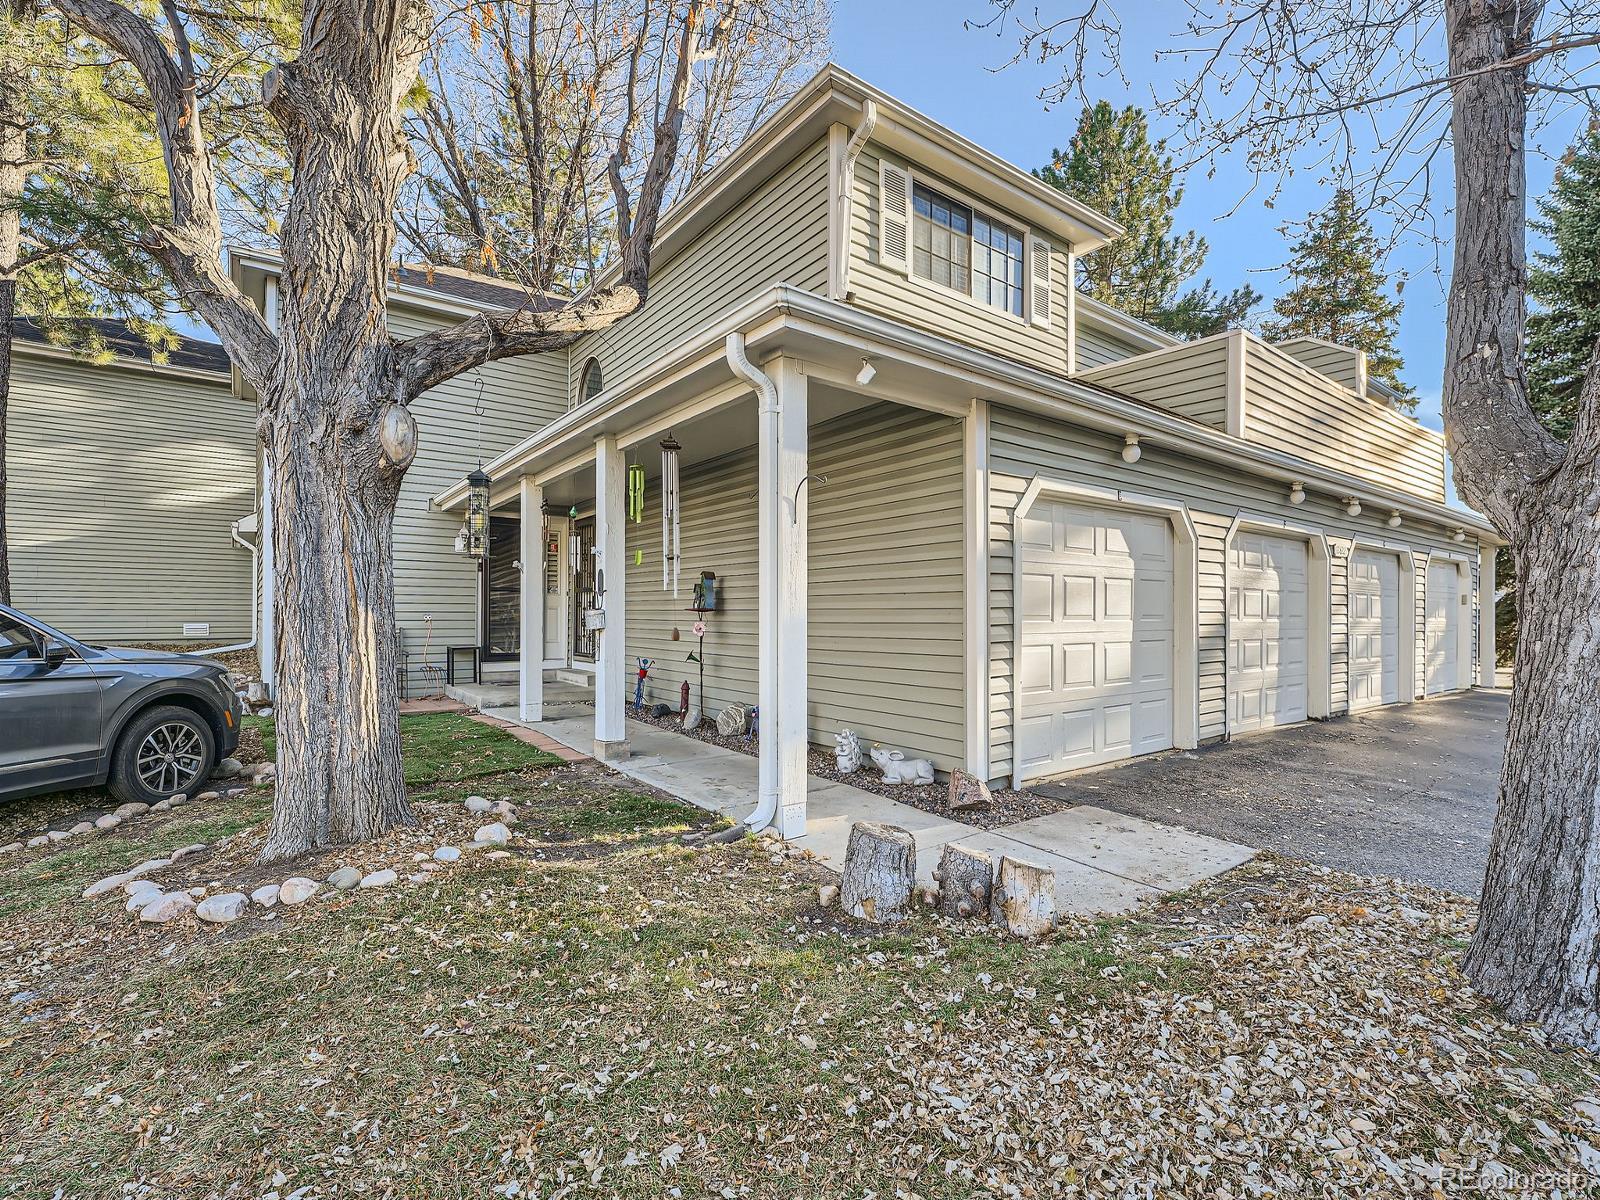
[{"x": 966, "y": 251}]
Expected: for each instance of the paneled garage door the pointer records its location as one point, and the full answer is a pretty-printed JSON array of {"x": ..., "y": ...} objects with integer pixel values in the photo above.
[
  {"x": 1096, "y": 659},
  {"x": 1374, "y": 629},
  {"x": 1267, "y": 632},
  {"x": 1443, "y": 612}
]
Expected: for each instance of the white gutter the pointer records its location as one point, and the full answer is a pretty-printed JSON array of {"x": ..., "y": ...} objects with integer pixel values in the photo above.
[{"x": 767, "y": 408}]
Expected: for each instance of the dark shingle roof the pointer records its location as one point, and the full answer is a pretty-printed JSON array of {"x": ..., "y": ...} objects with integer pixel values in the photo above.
[
  {"x": 450, "y": 281},
  {"x": 191, "y": 353}
]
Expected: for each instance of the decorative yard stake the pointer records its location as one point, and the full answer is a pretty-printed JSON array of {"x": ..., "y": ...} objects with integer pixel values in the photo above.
[
  {"x": 638, "y": 684},
  {"x": 670, "y": 542}
]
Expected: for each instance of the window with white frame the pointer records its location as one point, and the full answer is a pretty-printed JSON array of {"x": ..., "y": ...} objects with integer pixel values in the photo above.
[{"x": 958, "y": 248}]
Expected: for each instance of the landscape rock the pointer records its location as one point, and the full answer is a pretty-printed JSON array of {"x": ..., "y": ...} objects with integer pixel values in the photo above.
[
  {"x": 142, "y": 885},
  {"x": 505, "y": 808},
  {"x": 109, "y": 821},
  {"x": 967, "y": 792},
  {"x": 493, "y": 834},
  {"x": 266, "y": 895},
  {"x": 447, "y": 853},
  {"x": 42, "y": 839},
  {"x": 344, "y": 879},
  {"x": 209, "y": 796},
  {"x": 828, "y": 895},
  {"x": 80, "y": 827},
  {"x": 58, "y": 835},
  {"x": 131, "y": 809},
  {"x": 227, "y": 769},
  {"x": 180, "y": 798},
  {"x": 692, "y": 719},
  {"x": 166, "y": 907},
  {"x": 298, "y": 890},
  {"x": 477, "y": 804},
  {"x": 10, "y": 848},
  {"x": 144, "y": 868},
  {"x": 733, "y": 720},
  {"x": 379, "y": 879},
  {"x": 223, "y": 909},
  {"x": 109, "y": 884},
  {"x": 140, "y": 899},
  {"x": 162, "y": 806},
  {"x": 185, "y": 851},
  {"x": 419, "y": 877}
]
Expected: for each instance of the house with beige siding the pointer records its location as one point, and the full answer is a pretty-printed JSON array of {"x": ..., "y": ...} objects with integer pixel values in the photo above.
[
  {"x": 941, "y": 499},
  {"x": 952, "y": 505}
]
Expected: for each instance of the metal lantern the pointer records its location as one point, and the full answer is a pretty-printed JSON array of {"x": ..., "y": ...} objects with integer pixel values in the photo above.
[{"x": 478, "y": 513}]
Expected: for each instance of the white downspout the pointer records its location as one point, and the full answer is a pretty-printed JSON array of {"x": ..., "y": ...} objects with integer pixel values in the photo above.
[
  {"x": 844, "y": 190},
  {"x": 767, "y": 410},
  {"x": 254, "y": 555}
]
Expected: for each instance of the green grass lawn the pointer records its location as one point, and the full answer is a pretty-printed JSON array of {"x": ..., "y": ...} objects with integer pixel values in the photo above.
[
  {"x": 441, "y": 748},
  {"x": 609, "y": 1012}
]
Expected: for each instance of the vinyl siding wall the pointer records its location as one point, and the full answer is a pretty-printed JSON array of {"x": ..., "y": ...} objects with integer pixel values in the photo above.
[
  {"x": 885, "y": 622},
  {"x": 124, "y": 483},
  {"x": 1023, "y": 445},
  {"x": 431, "y": 580},
  {"x": 1338, "y": 363},
  {"x": 925, "y": 305},
  {"x": 1097, "y": 347},
  {"x": 1292, "y": 408},
  {"x": 779, "y": 234},
  {"x": 1190, "y": 380}
]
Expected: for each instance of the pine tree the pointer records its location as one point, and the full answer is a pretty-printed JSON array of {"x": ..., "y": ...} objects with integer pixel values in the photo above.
[
  {"x": 1340, "y": 292},
  {"x": 1112, "y": 166},
  {"x": 1564, "y": 283}
]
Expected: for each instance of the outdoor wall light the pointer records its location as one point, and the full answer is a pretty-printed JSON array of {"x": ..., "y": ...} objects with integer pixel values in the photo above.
[
  {"x": 1130, "y": 448},
  {"x": 867, "y": 373},
  {"x": 1353, "y": 507},
  {"x": 478, "y": 513},
  {"x": 1297, "y": 493},
  {"x": 1394, "y": 520}
]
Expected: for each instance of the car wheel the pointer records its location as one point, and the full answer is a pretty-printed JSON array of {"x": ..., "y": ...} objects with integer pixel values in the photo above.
[{"x": 162, "y": 752}]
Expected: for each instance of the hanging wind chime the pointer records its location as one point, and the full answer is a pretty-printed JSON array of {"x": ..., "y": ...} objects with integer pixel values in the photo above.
[{"x": 670, "y": 543}]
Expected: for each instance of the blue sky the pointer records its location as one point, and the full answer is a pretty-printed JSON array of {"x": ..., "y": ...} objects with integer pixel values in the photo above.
[{"x": 920, "y": 53}]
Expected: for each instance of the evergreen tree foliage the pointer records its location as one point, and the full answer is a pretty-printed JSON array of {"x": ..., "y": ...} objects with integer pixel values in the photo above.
[
  {"x": 1340, "y": 291},
  {"x": 1564, "y": 283},
  {"x": 1112, "y": 166}
]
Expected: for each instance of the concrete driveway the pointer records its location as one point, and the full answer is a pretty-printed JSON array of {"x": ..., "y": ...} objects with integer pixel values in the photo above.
[{"x": 1406, "y": 791}]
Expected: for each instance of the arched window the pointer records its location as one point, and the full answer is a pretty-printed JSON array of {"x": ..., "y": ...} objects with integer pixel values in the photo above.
[{"x": 593, "y": 382}]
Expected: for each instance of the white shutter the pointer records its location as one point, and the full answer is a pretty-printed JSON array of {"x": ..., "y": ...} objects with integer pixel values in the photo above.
[
  {"x": 894, "y": 216},
  {"x": 1039, "y": 280}
]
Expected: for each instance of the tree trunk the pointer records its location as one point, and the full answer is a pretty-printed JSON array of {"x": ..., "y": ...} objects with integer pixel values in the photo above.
[
  {"x": 8, "y": 319},
  {"x": 879, "y": 867},
  {"x": 1536, "y": 950},
  {"x": 334, "y": 489}
]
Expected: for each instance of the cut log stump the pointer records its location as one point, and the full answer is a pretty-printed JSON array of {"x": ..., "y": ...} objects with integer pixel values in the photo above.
[
  {"x": 966, "y": 878},
  {"x": 879, "y": 866},
  {"x": 1024, "y": 898}
]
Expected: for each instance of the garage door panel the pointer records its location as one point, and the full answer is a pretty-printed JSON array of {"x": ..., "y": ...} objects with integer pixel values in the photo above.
[
  {"x": 1443, "y": 630},
  {"x": 1098, "y": 639},
  {"x": 1268, "y": 640},
  {"x": 1374, "y": 620}
]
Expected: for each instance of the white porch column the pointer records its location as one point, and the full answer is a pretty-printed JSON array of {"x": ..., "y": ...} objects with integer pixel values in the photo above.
[
  {"x": 610, "y": 660},
  {"x": 1486, "y": 605},
  {"x": 783, "y": 519},
  {"x": 531, "y": 678}
]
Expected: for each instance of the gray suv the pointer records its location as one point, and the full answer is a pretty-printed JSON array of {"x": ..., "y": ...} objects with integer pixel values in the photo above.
[{"x": 146, "y": 723}]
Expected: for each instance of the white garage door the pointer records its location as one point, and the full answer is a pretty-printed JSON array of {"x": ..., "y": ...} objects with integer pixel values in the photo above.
[
  {"x": 1097, "y": 644},
  {"x": 1374, "y": 629},
  {"x": 1267, "y": 632},
  {"x": 1444, "y": 613}
]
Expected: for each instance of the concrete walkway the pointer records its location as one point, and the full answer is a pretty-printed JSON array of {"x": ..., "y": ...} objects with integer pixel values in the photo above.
[{"x": 1104, "y": 862}]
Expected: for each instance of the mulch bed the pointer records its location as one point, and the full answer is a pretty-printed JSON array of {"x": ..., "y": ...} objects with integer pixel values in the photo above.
[{"x": 1008, "y": 807}]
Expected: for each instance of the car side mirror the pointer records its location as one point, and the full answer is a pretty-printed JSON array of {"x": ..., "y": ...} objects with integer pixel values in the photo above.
[{"x": 55, "y": 655}]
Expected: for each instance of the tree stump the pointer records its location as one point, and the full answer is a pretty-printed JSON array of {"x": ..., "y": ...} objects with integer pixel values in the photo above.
[
  {"x": 1024, "y": 898},
  {"x": 965, "y": 878},
  {"x": 879, "y": 867}
]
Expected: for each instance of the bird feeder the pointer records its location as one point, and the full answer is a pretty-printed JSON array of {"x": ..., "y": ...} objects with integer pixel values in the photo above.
[{"x": 478, "y": 513}]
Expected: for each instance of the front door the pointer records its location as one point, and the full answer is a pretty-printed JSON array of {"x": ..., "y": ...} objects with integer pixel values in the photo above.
[
  {"x": 502, "y": 591},
  {"x": 557, "y": 586},
  {"x": 50, "y": 719},
  {"x": 584, "y": 641}
]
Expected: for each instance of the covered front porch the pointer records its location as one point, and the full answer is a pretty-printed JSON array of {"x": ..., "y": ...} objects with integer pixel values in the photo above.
[{"x": 828, "y": 511}]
